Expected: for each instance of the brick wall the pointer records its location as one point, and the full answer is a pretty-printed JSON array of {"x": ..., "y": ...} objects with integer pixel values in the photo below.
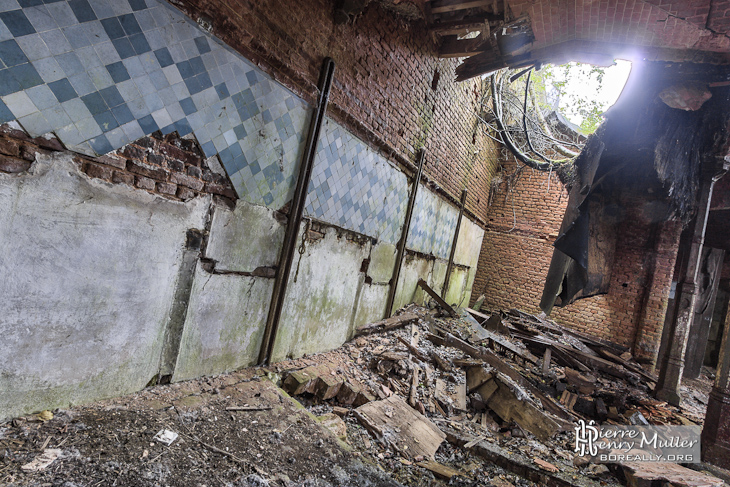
[
  {"x": 522, "y": 224},
  {"x": 677, "y": 28},
  {"x": 390, "y": 89},
  {"x": 170, "y": 166},
  {"x": 516, "y": 255}
]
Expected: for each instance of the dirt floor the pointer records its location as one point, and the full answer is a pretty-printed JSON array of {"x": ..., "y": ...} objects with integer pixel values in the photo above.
[
  {"x": 241, "y": 429},
  {"x": 111, "y": 443}
]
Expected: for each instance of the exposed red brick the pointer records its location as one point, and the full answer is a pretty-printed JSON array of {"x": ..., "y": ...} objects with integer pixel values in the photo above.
[
  {"x": 185, "y": 180},
  {"x": 156, "y": 159},
  {"x": 113, "y": 160},
  {"x": 97, "y": 171},
  {"x": 185, "y": 193},
  {"x": 517, "y": 249},
  {"x": 9, "y": 147},
  {"x": 175, "y": 165},
  {"x": 132, "y": 152},
  {"x": 194, "y": 171},
  {"x": 154, "y": 173},
  {"x": 145, "y": 183},
  {"x": 13, "y": 165},
  {"x": 226, "y": 191},
  {"x": 49, "y": 143},
  {"x": 123, "y": 178},
  {"x": 167, "y": 188},
  {"x": 180, "y": 155}
]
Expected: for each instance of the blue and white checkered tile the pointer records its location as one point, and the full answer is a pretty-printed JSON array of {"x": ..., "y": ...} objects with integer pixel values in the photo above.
[
  {"x": 102, "y": 73},
  {"x": 356, "y": 188},
  {"x": 432, "y": 225}
]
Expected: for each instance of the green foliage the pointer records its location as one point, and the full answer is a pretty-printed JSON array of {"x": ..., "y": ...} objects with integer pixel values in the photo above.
[{"x": 585, "y": 111}]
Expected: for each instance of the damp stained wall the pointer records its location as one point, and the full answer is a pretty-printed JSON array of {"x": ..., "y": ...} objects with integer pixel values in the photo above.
[
  {"x": 89, "y": 271},
  {"x": 101, "y": 262}
]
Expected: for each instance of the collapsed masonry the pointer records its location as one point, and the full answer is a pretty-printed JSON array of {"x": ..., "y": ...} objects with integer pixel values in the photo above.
[{"x": 208, "y": 201}]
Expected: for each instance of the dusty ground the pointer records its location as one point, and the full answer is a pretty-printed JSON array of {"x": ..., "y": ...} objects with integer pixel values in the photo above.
[
  {"x": 110, "y": 443},
  {"x": 278, "y": 440}
]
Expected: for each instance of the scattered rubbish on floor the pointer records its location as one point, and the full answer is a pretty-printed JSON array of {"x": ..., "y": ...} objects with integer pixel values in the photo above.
[
  {"x": 430, "y": 396},
  {"x": 42, "y": 461},
  {"x": 166, "y": 436}
]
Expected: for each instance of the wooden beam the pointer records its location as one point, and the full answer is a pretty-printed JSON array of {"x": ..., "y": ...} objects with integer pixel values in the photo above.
[
  {"x": 472, "y": 22},
  {"x": 387, "y": 324},
  {"x": 437, "y": 298},
  {"x": 459, "y": 30},
  {"x": 497, "y": 363},
  {"x": 451, "y": 46},
  {"x": 445, "y": 6}
]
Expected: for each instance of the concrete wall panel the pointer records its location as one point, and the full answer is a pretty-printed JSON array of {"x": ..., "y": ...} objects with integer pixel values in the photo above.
[
  {"x": 224, "y": 325},
  {"x": 322, "y": 295},
  {"x": 89, "y": 271}
]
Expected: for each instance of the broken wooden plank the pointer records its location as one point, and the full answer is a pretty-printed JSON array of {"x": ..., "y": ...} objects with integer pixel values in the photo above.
[
  {"x": 475, "y": 441},
  {"x": 568, "y": 399},
  {"x": 393, "y": 420},
  {"x": 506, "y": 344},
  {"x": 437, "y": 298},
  {"x": 413, "y": 394},
  {"x": 444, "y": 6},
  {"x": 648, "y": 474},
  {"x": 387, "y": 324},
  {"x": 591, "y": 361},
  {"x": 249, "y": 408},
  {"x": 546, "y": 361},
  {"x": 511, "y": 408},
  {"x": 476, "y": 376},
  {"x": 631, "y": 366},
  {"x": 467, "y": 362},
  {"x": 440, "y": 470},
  {"x": 421, "y": 356},
  {"x": 501, "y": 366},
  {"x": 441, "y": 362},
  {"x": 460, "y": 399},
  {"x": 586, "y": 384},
  {"x": 478, "y": 315},
  {"x": 300, "y": 381},
  {"x": 517, "y": 463},
  {"x": 487, "y": 389}
]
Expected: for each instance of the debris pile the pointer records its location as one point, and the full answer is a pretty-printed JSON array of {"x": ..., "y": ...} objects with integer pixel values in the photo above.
[
  {"x": 508, "y": 387},
  {"x": 432, "y": 396}
]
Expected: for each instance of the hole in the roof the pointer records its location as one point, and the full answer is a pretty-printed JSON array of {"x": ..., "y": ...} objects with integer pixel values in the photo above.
[{"x": 582, "y": 93}]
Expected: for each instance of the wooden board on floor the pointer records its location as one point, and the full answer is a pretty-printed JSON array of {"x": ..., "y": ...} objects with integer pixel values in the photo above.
[
  {"x": 408, "y": 431},
  {"x": 440, "y": 470},
  {"x": 508, "y": 407},
  {"x": 387, "y": 324},
  {"x": 646, "y": 474}
]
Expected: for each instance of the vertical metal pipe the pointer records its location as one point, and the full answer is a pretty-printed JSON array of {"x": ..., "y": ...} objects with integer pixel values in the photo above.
[
  {"x": 453, "y": 244},
  {"x": 672, "y": 369},
  {"x": 326, "y": 76},
  {"x": 404, "y": 236}
]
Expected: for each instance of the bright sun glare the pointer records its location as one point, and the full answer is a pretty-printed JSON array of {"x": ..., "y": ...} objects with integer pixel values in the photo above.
[{"x": 585, "y": 85}]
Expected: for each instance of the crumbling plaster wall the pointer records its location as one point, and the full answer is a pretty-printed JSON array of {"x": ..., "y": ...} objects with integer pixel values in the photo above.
[
  {"x": 89, "y": 271},
  {"x": 187, "y": 231}
]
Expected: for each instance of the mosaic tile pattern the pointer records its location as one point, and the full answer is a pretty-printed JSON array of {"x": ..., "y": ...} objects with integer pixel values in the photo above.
[
  {"x": 102, "y": 73},
  {"x": 432, "y": 225},
  {"x": 356, "y": 188}
]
